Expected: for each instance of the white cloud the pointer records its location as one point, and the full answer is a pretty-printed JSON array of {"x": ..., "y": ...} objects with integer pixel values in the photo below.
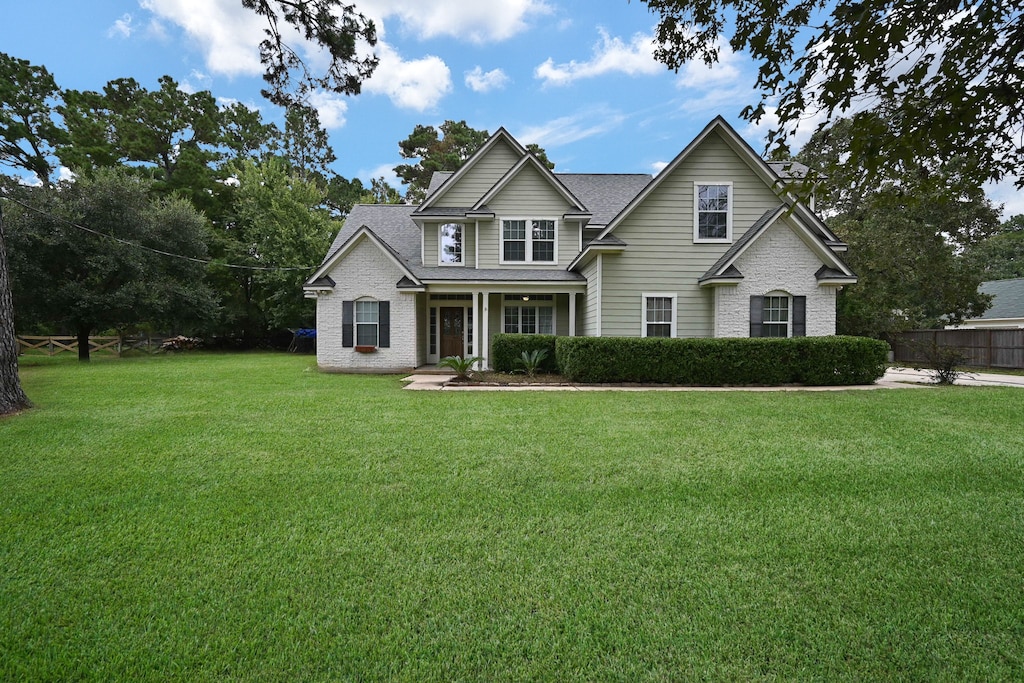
[
  {"x": 568, "y": 129},
  {"x": 801, "y": 133},
  {"x": 658, "y": 166},
  {"x": 65, "y": 173},
  {"x": 697, "y": 74},
  {"x": 1006, "y": 193},
  {"x": 417, "y": 84},
  {"x": 195, "y": 82},
  {"x": 478, "y": 81},
  {"x": 473, "y": 20},
  {"x": 122, "y": 27},
  {"x": 611, "y": 55},
  {"x": 386, "y": 171},
  {"x": 330, "y": 107},
  {"x": 227, "y": 33}
]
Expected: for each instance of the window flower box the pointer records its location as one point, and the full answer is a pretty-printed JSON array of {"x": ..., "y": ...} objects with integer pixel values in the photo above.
[{"x": 366, "y": 349}]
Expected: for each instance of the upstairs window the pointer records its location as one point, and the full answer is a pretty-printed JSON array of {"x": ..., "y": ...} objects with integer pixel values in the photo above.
[
  {"x": 712, "y": 212},
  {"x": 450, "y": 244},
  {"x": 528, "y": 240}
]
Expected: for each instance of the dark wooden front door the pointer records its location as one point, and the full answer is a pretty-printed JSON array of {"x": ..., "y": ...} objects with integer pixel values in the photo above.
[{"x": 452, "y": 331}]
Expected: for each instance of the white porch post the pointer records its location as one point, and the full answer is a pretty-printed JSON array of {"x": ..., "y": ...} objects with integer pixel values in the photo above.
[
  {"x": 485, "y": 313},
  {"x": 572, "y": 314},
  {"x": 476, "y": 328}
]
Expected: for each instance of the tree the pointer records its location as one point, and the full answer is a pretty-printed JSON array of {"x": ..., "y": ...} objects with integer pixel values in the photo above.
[
  {"x": 1000, "y": 257},
  {"x": 906, "y": 237},
  {"x": 306, "y": 144},
  {"x": 280, "y": 231},
  {"x": 918, "y": 79},
  {"x": 28, "y": 133},
  {"x": 12, "y": 397},
  {"x": 380, "y": 192},
  {"x": 84, "y": 257},
  {"x": 336, "y": 27}
]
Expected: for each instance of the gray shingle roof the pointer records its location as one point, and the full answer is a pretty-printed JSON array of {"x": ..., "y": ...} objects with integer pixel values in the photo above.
[
  {"x": 605, "y": 194},
  {"x": 788, "y": 170},
  {"x": 739, "y": 244},
  {"x": 1009, "y": 298},
  {"x": 437, "y": 179}
]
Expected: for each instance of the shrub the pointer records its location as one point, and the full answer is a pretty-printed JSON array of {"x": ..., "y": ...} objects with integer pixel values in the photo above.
[
  {"x": 723, "y": 362},
  {"x": 532, "y": 360},
  {"x": 943, "y": 361},
  {"x": 462, "y": 367},
  {"x": 507, "y": 351}
]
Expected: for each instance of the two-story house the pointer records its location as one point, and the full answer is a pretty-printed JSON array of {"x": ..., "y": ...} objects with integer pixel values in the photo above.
[{"x": 712, "y": 246}]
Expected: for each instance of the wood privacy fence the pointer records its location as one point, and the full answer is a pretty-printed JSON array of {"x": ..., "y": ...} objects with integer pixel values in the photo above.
[
  {"x": 51, "y": 346},
  {"x": 982, "y": 348}
]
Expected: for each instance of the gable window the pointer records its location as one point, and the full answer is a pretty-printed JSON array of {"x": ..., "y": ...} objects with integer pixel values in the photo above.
[
  {"x": 450, "y": 244},
  {"x": 366, "y": 323},
  {"x": 712, "y": 221},
  {"x": 528, "y": 240},
  {"x": 528, "y": 314},
  {"x": 777, "y": 314},
  {"x": 659, "y": 315}
]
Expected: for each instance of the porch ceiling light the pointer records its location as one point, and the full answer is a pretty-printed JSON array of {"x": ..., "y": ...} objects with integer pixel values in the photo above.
[{"x": 526, "y": 297}]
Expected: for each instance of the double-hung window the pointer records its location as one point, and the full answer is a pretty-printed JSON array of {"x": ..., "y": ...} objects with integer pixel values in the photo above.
[
  {"x": 449, "y": 237},
  {"x": 775, "y": 316},
  {"x": 529, "y": 314},
  {"x": 712, "y": 220},
  {"x": 525, "y": 240},
  {"x": 659, "y": 315},
  {"x": 367, "y": 323}
]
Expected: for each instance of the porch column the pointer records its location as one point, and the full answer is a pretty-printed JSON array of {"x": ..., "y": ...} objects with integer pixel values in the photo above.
[
  {"x": 485, "y": 313},
  {"x": 572, "y": 314},
  {"x": 477, "y": 305}
]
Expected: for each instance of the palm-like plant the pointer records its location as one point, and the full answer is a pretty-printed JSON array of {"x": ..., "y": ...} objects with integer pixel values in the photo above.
[
  {"x": 531, "y": 360},
  {"x": 461, "y": 366}
]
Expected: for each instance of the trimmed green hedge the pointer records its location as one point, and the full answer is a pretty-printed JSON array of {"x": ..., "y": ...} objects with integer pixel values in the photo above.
[
  {"x": 506, "y": 349},
  {"x": 723, "y": 362}
]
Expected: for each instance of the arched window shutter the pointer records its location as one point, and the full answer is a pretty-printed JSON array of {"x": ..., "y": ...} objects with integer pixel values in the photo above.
[
  {"x": 347, "y": 324},
  {"x": 384, "y": 324},
  {"x": 799, "y": 316},
  {"x": 756, "y": 313}
]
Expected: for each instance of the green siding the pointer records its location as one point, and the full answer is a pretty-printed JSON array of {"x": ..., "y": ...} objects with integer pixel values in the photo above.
[
  {"x": 588, "y": 317},
  {"x": 662, "y": 256},
  {"x": 528, "y": 195},
  {"x": 487, "y": 171}
]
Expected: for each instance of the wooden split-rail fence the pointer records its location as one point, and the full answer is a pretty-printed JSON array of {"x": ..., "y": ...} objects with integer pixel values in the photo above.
[{"x": 54, "y": 345}]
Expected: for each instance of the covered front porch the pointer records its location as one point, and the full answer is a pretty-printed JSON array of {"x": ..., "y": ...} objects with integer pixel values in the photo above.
[{"x": 455, "y": 317}]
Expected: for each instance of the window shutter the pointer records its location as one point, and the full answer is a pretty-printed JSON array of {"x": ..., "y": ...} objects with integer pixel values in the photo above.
[
  {"x": 799, "y": 316},
  {"x": 384, "y": 324},
  {"x": 348, "y": 324},
  {"x": 756, "y": 313}
]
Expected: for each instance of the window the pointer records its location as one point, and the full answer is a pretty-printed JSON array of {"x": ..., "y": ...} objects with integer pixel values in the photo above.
[
  {"x": 775, "y": 316},
  {"x": 712, "y": 212},
  {"x": 528, "y": 240},
  {"x": 367, "y": 322},
  {"x": 659, "y": 315},
  {"x": 529, "y": 314},
  {"x": 450, "y": 244}
]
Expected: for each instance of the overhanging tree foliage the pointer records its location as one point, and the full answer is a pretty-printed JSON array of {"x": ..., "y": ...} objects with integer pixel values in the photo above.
[
  {"x": 335, "y": 26},
  {"x": 1000, "y": 257},
  {"x": 947, "y": 77}
]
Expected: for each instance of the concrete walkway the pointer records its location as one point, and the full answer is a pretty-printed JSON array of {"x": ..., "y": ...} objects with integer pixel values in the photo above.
[{"x": 894, "y": 378}]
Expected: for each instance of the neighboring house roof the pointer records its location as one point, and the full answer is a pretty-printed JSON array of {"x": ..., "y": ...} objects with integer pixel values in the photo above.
[
  {"x": 789, "y": 170},
  {"x": 1008, "y": 298}
]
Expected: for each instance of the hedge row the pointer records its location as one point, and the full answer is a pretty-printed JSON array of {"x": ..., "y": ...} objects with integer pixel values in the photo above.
[
  {"x": 723, "y": 362},
  {"x": 506, "y": 349}
]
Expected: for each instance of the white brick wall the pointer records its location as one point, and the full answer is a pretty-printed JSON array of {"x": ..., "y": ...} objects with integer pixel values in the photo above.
[
  {"x": 777, "y": 260},
  {"x": 366, "y": 272}
]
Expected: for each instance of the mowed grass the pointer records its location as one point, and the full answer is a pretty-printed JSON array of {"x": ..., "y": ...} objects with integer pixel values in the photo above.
[{"x": 243, "y": 517}]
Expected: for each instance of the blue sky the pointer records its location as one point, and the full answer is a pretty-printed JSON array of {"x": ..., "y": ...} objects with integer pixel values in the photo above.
[{"x": 575, "y": 76}]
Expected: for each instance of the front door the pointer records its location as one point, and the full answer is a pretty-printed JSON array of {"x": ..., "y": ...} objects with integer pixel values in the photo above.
[{"x": 452, "y": 331}]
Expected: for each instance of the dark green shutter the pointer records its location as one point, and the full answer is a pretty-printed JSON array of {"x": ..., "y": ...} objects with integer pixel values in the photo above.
[
  {"x": 348, "y": 324},
  {"x": 756, "y": 315},
  {"x": 799, "y": 316},
  {"x": 384, "y": 324}
]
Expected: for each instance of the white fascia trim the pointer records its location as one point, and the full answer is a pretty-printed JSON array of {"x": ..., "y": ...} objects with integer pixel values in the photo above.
[
  {"x": 728, "y": 214},
  {"x": 643, "y": 311},
  {"x": 350, "y": 243},
  {"x": 506, "y": 286},
  {"x": 599, "y": 279}
]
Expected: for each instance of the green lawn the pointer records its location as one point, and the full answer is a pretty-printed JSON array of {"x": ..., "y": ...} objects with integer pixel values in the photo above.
[{"x": 244, "y": 517}]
